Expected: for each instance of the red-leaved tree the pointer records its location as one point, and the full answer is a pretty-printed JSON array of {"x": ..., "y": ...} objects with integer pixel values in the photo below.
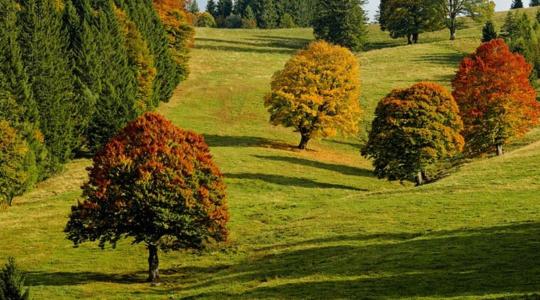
[
  {"x": 496, "y": 99},
  {"x": 156, "y": 184}
]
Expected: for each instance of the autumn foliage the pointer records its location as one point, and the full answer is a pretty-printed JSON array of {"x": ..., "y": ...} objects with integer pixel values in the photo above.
[
  {"x": 317, "y": 93},
  {"x": 496, "y": 99},
  {"x": 413, "y": 129},
  {"x": 157, "y": 184}
]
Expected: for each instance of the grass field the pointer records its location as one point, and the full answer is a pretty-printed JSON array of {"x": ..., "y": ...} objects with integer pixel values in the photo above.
[{"x": 313, "y": 224}]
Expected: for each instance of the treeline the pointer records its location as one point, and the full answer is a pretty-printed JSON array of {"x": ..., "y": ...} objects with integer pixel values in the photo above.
[
  {"x": 262, "y": 13},
  {"x": 74, "y": 72}
]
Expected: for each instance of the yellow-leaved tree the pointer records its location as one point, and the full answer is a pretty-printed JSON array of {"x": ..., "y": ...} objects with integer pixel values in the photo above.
[{"x": 317, "y": 93}]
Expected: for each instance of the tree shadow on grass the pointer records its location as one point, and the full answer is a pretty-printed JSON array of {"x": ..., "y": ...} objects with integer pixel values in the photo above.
[
  {"x": 447, "y": 59},
  {"x": 231, "y": 48},
  {"x": 345, "y": 170},
  {"x": 457, "y": 263},
  {"x": 291, "y": 181},
  {"x": 245, "y": 141}
]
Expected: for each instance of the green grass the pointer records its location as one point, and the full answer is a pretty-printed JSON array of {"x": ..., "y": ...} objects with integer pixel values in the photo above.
[{"x": 313, "y": 224}]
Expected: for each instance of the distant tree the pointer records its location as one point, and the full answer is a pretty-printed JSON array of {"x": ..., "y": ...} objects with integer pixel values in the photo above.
[
  {"x": 224, "y": 8},
  {"x": 410, "y": 18},
  {"x": 249, "y": 20},
  {"x": 233, "y": 21},
  {"x": 516, "y": 4},
  {"x": 154, "y": 183},
  {"x": 413, "y": 129},
  {"x": 286, "y": 21},
  {"x": 489, "y": 32},
  {"x": 13, "y": 153},
  {"x": 12, "y": 283},
  {"x": 341, "y": 22},
  {"x": 193, "y": 7},
  {"x": 496, "y": 99},
  {"x": 206, "y": 20},
  {"x": 317, "y": 93},
  {"x": 265, "y": 12},
  {"x": 479, "y": 10},
  {"x": 534, "y": 3},
  {"x": 211, "y": 8}
]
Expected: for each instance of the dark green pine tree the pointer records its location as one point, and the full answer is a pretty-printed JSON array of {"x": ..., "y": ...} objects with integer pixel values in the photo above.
[
  {"x": 116, "y": 102},
  {"x": 211, "y": 8},
  {"x": 341, "y": 22},
  {"x": 266, "y": 13},
  {"x": 534, "y": 3},
  {"x": 489, "y": 32},
  {"x": 12, "y": 283},
  {"x": 224, "y": 8},
  {"x": 48, "y": 65},
  {"x": 517, "y": 4},
  {"x": 168, "y": 75}
]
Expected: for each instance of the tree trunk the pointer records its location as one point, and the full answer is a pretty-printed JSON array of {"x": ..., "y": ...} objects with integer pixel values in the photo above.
[
  {"x": 415, "y": 38},
  {"x": 419, "y": 178},
  {"x": 409, "y": 39},
  {"x": 153, "y": 264},
  {"x": 452, "y": 27},
  {"x": 500, "y": 150},
  {"x": 303, "y": 142}
]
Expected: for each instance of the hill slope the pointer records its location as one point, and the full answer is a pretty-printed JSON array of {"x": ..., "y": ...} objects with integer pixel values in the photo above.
[{"x": 311, "y": 224}]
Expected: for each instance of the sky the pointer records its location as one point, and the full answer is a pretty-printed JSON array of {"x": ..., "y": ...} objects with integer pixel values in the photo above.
[{"x": 373, "y": 5}]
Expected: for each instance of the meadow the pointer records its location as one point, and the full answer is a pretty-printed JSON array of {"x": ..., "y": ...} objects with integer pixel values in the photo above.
[{"x": 306, "y": 224}]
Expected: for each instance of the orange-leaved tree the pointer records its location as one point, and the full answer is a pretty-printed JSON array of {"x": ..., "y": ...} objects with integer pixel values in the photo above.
[
  {"x": 156, "y": 184},
  {"x": 317, "y": 93},
  {"x": 496, "y": 99},
  {"x": 413, "y": 129}
]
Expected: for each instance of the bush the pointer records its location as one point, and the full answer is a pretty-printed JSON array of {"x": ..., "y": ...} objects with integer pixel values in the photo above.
[
  {"x": 413, "y": 129},
  {"x": 496, "y": 99},
  {"x": 206, "y": 20},
  {"x": 233, "y": 21},
  {"x": 12, "y": 283},
  {"x": 157, "y": 184},
  {"x": 286, "y": 21},
  {"x": 317, "y": 93}
]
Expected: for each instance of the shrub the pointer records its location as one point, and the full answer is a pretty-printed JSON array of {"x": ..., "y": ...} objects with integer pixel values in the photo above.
[
  {"x": 12, "y": 283},
  {"x": 233, "y": 21},
  {"x": 413, "y": 129},
  {"x": 496, "y": 100},
  {"x": 206, "y": 20},
  {"x": 317, "y": 93},
  {"x": 286, "y": 21},
  {"x": 155, "y": 183}
]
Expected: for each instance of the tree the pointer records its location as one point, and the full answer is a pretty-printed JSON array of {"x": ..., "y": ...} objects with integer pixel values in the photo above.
[
  {"x": 265, "y": 12},
  {"x": 534, "y": 3},
  {"x": 497, "y": 101},
  {"x": 12, "y": 283},
  {"x": 224, "y": 8},
  {"x": 206, "y": 20},
  {"x": 516, "y": 4},
  {"x": 211, "y": 8},
  {"x": 413, "y": 129},
  {"x": 47, "y": 62},
  {"x": 479, "y": 10},
  {"x": 13, "y": 154},
  {"x": 157, "y": 184},
  {"x": 286, "y": 21},
  {"x": 317, "y": 93},
  {"x": 410, "y": 18},
  {"x": 489, "y": 32},
  {"x": 193, "y": 7},
  {"x": 249, "y": 20}
]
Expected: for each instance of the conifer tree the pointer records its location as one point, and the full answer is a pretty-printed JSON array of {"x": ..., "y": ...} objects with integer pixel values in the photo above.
[
  {"x": 488, "y": 32},
  {"x": 211, "y": 7},
  {"x": 516, "y": 4},
  {"x": 249, "y": 20},
  {"x": 52, "y": 83},
  {"x": 224, "y": 8},
  {"x": 193, "y": 7},
  {"x": 341, "y": 22},
  {"x": 265, "y": 12},
  {"x": 12, "y": 283},
  {"x": 534, "y": 3}
]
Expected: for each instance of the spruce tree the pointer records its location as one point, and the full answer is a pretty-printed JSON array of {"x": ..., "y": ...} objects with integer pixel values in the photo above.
[
  {"x": 52, "y": 84},
  {"x": 12, "y": 283},
  {"x": 534, "y": 3},
  {"x": 488, "y": 32},
  {"x": 265, "y": 12},
  {"x": 517, "y": 4},
  {"x": 341, "y": 22},
  {"x": 225, "y": 8},
  {"x": 211, "y": 7}
]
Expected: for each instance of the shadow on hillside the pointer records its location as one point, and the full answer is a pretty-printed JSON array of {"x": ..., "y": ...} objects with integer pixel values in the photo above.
[
  {"x": 290, "y": 181},
  {"x": 345, "y": 170},
  {"x": 442, "y": 264},
  {"x": 245, "y": 141},
  {"x": 448, "y": 59},
  {"x": 260, "y": 44}
]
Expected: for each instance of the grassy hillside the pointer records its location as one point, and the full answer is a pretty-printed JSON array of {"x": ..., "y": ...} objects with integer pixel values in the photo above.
[{"x": 313, "y": 224}]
